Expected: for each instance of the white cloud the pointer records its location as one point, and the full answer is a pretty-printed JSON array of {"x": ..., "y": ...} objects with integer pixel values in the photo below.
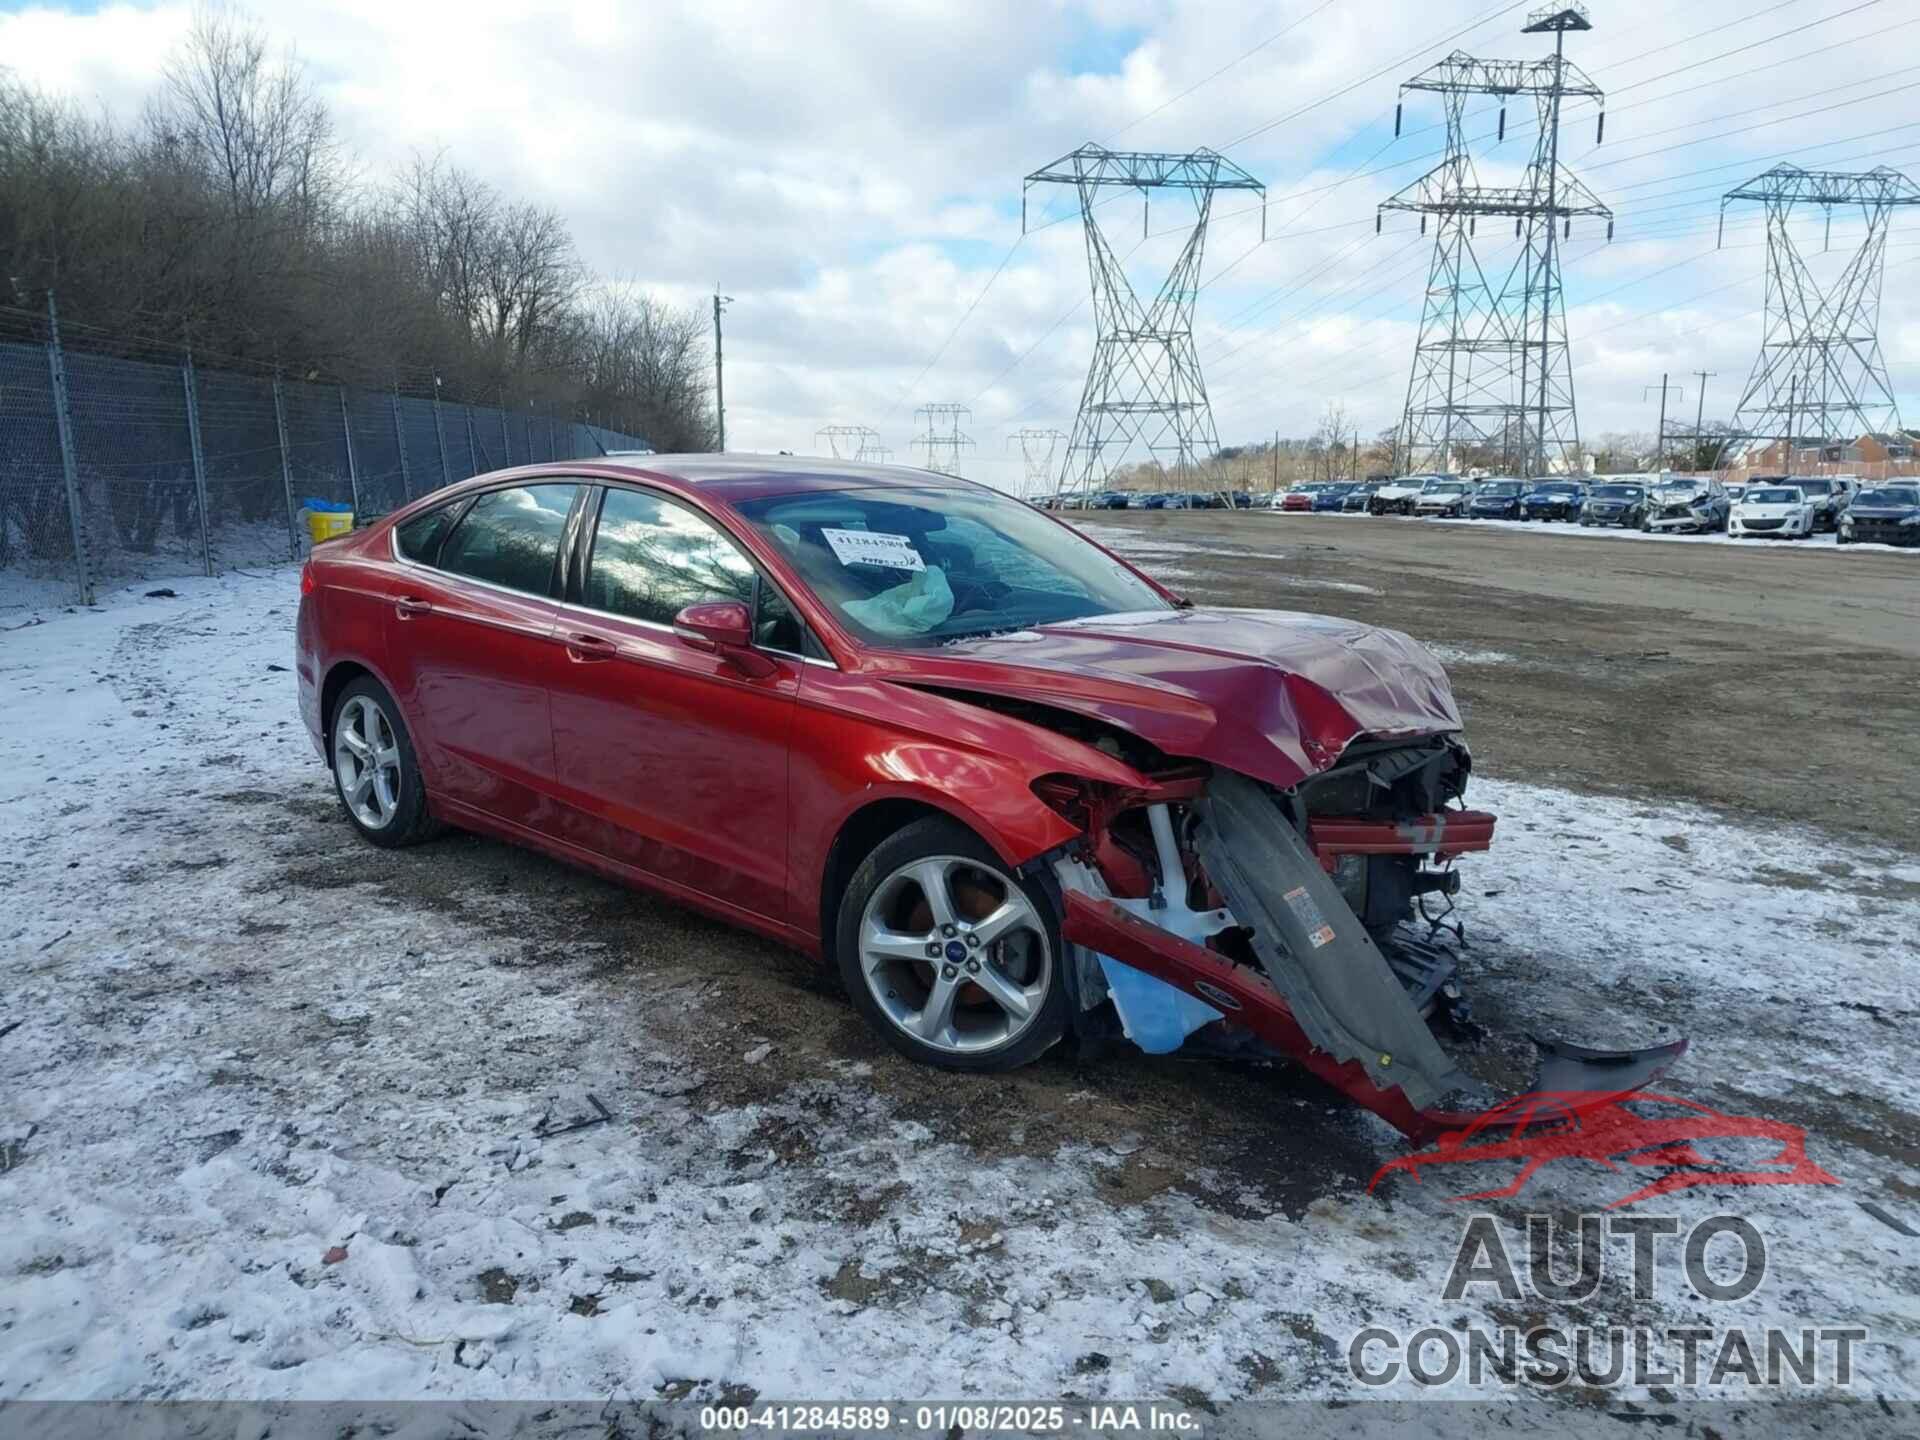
[{"x": 850, "y": 174}]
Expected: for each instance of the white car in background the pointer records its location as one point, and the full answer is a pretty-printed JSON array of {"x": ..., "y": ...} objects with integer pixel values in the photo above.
[
  {"x": 1772, "y": 512},
  {"x": 1447, "y": 498}
]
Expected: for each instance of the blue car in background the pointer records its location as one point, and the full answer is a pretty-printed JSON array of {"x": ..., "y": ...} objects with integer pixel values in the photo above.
[
  {"x": 1333, "y": 497},
  {"x": 1553, "y": 500},
  {"x": 1497, "y": 500}
]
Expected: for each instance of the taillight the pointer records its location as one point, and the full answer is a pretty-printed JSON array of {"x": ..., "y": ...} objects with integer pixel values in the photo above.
[{"x": 306, "y": 578}]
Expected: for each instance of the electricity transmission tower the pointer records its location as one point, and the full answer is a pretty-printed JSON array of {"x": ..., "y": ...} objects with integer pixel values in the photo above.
[
  {"x": 849, "y": 442},
  {"x": 1037, "y": 449},
  {"x": 1144, "y": 383},
  {"x": 1491, "y": 368},
  {"x": 942, "y": 439},
  {"x": 1820, "y": 375}
]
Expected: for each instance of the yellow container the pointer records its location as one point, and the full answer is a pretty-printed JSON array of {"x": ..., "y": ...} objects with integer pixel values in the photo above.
[{"x": 326, "y": 524}]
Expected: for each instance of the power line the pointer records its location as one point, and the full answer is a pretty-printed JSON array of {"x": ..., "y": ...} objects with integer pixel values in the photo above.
[{"x": 1244, "y": 56}]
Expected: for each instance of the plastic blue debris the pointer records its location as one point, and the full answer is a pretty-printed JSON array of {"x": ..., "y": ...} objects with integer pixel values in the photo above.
[
  {"x": 1156, "y": 1016},
  {"x": 326, "y": 507}
]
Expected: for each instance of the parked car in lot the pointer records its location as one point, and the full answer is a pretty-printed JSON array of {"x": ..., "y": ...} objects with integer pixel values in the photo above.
[
  {"x": 1553, "y": 500},
  {"x": 1686, "y": 505},
  {"x": 1885, "y": 515},
  {"x": 1778, "y": 512},
  {"x": 1299, "y": 499},
  {"x": 1111, "y": 500},
  {"x": 1359, "y": 500},
  {"x": 1497, "y": 500},
  {"x": 1397, "y": 495},
  {"x": 939, "y": 741},
  {"x": 1332, "y": 497},
  {"x": 1442, "y": 499},
  {"x": 1615, "y": 502},
  {"x": 1828, "y": 494}
]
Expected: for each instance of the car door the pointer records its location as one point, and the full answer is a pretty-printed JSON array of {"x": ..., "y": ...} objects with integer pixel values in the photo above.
[
  {"x": 673, "y": 759},
  {"x": 471, "y": 646}
]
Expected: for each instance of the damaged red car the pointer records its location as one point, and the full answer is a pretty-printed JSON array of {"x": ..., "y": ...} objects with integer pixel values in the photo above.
[{"x": 1010, "y": 787}]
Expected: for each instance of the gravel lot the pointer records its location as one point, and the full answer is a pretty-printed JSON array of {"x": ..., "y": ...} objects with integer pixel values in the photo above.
[{"x": 237, "y": 1042}]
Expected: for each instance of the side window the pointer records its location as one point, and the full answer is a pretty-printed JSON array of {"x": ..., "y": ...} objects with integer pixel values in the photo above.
[
  {"x": 420, "y": 537},
  {"x": 775, "y": 626},
  {"x": 651, "y": 559},
  {"x": 511, "y": 537}
]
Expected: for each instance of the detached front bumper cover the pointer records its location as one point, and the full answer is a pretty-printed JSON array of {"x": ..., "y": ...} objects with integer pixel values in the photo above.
[{"x": 1325, "y": 995}]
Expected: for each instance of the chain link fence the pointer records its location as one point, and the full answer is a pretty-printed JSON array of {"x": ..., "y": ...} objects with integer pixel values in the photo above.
[{"x": 114, "y": 471}]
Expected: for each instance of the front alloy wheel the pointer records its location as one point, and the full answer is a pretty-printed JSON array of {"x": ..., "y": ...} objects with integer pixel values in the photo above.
[{"x": 952, "y": 959}]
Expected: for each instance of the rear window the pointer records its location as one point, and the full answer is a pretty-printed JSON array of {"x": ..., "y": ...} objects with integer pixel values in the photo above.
[
  {"x": 511, "y": 537},
  {"x": 419, "y": 538}
]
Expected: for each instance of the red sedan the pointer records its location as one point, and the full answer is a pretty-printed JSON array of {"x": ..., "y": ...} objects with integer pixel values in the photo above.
[{"x": 911, "y": 726}]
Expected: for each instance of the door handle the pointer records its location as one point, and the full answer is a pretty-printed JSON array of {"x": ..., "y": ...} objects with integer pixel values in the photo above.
[
  {"x": 587, "y": 648},
  {"x": 408, "y": 605}
]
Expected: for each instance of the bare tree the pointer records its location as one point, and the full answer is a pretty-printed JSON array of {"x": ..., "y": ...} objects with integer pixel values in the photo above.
[{"x": 248, "y": 119}]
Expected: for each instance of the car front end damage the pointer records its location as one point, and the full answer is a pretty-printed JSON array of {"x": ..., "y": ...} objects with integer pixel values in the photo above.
[
  {"x": 1277, "y": 882},
  {"x": 1681, "y": 512},
  {"x": 1217, "y": 913}
]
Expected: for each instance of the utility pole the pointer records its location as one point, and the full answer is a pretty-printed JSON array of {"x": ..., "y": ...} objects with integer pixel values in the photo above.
[
  {"x": 1660, "y": 445},
  {"x": 719, "y": 374},
  {"x": 1700, "y": 413}
]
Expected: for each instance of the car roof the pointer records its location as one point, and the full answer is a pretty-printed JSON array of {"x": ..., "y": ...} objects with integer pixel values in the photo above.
[
  {"x": 733, "y": 478},
  {"x": 730, "y": 479}
]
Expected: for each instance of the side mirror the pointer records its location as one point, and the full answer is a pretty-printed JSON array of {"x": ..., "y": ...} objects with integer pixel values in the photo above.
[{"x": 723, "y": 628}]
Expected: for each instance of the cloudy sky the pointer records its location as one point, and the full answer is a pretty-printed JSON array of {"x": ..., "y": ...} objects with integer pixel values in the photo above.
[{"x": 850, "y": 173}]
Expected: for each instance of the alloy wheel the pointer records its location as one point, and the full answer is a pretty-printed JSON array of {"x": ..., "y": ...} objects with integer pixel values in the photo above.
[
  {"x": 955, "y": 954},
  {"x": 366, "y": 762}
]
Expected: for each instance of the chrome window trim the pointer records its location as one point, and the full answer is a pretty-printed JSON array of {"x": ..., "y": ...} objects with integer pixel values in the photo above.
[{"x": 393, "y": 545}]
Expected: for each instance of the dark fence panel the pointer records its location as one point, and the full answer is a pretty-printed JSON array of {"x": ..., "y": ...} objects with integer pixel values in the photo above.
[
  {"x": 376, "y": 453},
  {"x": 38, "y": 562},
  {"x": 151, "y": 507},
  {"x": 424, "y": 470},
  {"x": 134, "y": 455},
  {"x": 250, "y": 522}
]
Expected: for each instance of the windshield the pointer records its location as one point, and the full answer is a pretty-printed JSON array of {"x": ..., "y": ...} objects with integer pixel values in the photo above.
[
  {"x": 1557, "y": 487},
  {"x": 1771, "y": 497},
  {"x": 1897, "y": 496},
  {"x": 916, "y": 568},
  {"x": 1501, "y": 487},
  {"x": 1618, "y": 492},
  {"x": 1448, "y": 488},
  {"x": 1814, "y": 487}
]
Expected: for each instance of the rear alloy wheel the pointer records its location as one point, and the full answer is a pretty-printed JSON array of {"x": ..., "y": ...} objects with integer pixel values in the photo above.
[
  {"x": 374, "y": 769},
  {"x": 954, "y": 961}
]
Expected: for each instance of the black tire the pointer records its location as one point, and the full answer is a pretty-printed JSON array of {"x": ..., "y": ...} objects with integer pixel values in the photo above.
[
  {"x": 406, "y": 821},
  {"x": 928, "y": 839}
]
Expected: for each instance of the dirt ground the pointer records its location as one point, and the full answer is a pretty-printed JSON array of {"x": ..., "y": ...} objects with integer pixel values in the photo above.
[
  {"x": 1568, "y": 682},
  {"x": 206, "y": 962},
  {"x": 1768, "y": 681}
]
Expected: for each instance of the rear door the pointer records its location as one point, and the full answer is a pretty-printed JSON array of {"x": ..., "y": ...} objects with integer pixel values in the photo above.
[
  {"x": 472, "y": 648},
  {"x": 671, "y": 759}
]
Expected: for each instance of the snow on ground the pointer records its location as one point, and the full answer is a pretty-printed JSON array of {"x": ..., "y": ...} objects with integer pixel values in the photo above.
[
  {"x": 1455, "y": 655},
  {"x": 270, "y": 1127}
]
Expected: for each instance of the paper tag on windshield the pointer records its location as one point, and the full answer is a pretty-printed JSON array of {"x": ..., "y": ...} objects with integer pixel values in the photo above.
[{"x": 866, "y": 547}]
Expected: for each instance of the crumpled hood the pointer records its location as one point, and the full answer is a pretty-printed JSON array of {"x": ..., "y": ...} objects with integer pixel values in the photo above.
[{"x": 1272, "y": 694}]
